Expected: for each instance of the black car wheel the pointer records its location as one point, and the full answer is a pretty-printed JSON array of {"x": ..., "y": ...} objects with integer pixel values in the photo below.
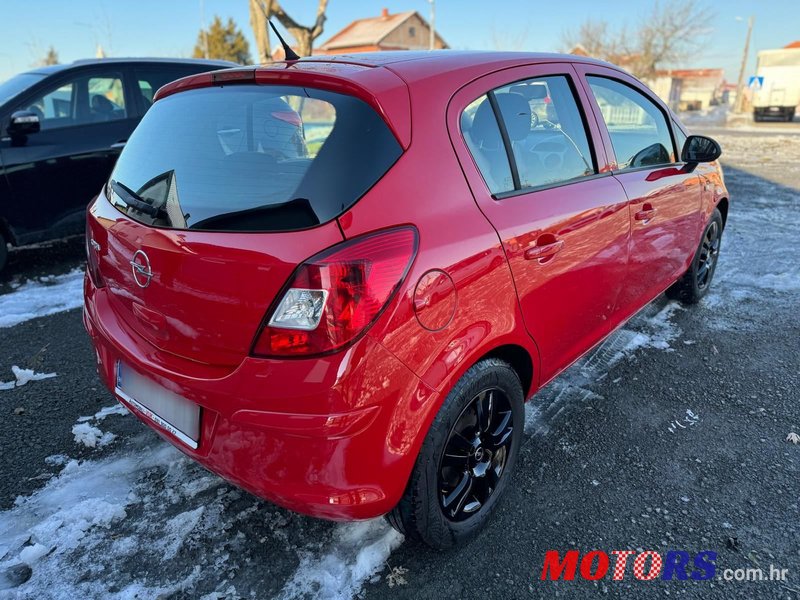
[
  {"x": 466, "y": 460},
  {"x": 696, "y": 282}
]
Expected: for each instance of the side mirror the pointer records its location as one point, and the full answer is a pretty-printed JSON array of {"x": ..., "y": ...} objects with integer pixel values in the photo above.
[
  {"x": 23, "y": 122},
  {"x": 700, "y": 149}
]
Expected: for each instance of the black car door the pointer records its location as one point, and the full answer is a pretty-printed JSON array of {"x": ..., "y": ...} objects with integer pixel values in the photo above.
[{"x": 86, "y": 115}]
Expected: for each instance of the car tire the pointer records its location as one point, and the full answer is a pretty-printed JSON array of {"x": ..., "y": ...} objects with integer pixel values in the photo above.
[
  {"x": 3, "y": 252},
  {"x": 696, "y": 282},
  {"x": 438, "y": 508}
]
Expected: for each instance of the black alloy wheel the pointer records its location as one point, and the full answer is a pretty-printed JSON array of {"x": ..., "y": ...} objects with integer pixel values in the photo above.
[
  {"x": 475, "y": 455},
  {"x": 709, "y": 252}
]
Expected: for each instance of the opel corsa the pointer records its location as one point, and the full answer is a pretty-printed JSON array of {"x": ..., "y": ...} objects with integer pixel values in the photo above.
[{"x": 334, "y": 281}]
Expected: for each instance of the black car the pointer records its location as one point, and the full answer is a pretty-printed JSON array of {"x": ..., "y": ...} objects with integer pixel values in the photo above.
[{"x": 61, "y": 130}]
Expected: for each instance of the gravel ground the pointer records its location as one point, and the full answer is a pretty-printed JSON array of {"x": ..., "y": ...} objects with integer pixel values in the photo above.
[{"x": 669, "y": 436}]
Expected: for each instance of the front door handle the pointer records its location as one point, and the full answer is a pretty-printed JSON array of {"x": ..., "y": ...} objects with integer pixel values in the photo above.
[
  {"x": 118, "y": 145},
  {"x": 544, "y": 251},
  {"x": 646, "y": 214}
]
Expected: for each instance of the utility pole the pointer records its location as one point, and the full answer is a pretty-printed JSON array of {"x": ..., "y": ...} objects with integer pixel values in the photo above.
[
  {"x": 740, "y": 84},
  {"x": 432, "y": 43}
]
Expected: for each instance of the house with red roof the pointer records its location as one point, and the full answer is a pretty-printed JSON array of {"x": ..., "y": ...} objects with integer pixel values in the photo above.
[{"x": 398, "y": 31}]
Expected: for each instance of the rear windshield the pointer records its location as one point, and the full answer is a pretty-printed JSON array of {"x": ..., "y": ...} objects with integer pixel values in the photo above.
[{"x": 251, "y": 158}]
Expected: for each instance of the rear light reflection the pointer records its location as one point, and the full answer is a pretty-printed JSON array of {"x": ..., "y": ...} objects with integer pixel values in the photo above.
[{"x": 335, "y": 296}]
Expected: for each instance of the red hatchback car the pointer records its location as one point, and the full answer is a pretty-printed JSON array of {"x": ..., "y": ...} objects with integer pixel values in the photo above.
[{"x": 335, "y": 281}]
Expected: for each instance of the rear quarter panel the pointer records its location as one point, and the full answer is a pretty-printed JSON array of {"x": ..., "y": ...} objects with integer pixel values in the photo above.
[{"x": 427, "y": 188}]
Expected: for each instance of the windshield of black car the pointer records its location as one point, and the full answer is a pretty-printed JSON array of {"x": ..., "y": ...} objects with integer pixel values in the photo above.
[
  {"x": 252, "y": 158},
  {"x": 18, "y": 84}
]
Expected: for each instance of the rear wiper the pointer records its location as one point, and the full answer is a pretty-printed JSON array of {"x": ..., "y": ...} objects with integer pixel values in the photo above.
[{"x": 131, "y": 198}]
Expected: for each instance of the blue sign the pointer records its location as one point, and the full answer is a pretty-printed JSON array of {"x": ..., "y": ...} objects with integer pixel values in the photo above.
[{"x": 756, "y": 82}]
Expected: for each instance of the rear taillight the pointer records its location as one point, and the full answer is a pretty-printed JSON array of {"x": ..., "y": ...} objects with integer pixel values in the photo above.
[
  {"x": 92, "y": 258},
  {"x": 333, "y": 297}
]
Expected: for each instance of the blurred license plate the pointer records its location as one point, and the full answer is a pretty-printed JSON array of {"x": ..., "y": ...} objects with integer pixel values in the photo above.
[{"x": 177, "y": 415}]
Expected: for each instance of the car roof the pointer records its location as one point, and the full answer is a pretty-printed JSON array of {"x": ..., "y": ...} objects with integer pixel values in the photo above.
[
  {"x": 49, "y": 70},
  {"x": 459, "y": 66},
  {"x": 446, "y": 60}
]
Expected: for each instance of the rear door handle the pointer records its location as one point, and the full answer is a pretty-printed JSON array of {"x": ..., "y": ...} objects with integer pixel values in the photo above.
[
  {"x": 544, "y": 251},
  {"x": 647, "y": 213}
]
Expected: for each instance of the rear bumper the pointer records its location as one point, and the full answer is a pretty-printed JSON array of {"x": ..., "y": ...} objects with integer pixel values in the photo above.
[{"x": 333, "y": 437}]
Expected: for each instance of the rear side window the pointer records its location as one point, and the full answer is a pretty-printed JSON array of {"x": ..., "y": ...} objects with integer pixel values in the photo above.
[
  {"x": 637, "y": 126},
  {"x": 540, "y": 129},
  {"x": 251, "y": 158}
]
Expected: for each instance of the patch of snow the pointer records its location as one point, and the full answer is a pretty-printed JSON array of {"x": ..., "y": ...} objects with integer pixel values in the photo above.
[
  {"x": 793, "y": 438},
  {"x": 43, "y": 297},
  {"x": 91, "y": 436},
  {"x": 30, "y": 554},
  {"x": 23, "y": 376},
  {"x": 116, "y": 409},
  {"x": 358, "y": 552}
]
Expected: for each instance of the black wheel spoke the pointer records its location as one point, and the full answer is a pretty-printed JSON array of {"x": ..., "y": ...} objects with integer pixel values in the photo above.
[
  {"x": 455, "y": 499},
  {"x": 475, "y": 454},
  {"x": 485, "y": 409},
  {"x": 501, "y": 434}
]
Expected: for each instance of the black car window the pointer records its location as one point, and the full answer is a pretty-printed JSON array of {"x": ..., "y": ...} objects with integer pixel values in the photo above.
[
  {"x": 637, "y": 126},
  {"x": 106, "y": 99},
  {"x": 55, "y": 108},
  {"x": 84, "y": 99},
  {"x": 18, "y": 84},
  {"x": 251, "y": 158},
  {"x": 149, "y": 79}
]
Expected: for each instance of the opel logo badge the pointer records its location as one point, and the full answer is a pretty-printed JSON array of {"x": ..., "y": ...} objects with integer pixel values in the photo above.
[{"x": 140, "y": 266}]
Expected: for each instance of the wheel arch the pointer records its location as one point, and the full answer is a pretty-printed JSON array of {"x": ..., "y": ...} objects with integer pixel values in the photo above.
[
  {"x": 519, "y": 359},
  {"x": 722, "y": 205}
]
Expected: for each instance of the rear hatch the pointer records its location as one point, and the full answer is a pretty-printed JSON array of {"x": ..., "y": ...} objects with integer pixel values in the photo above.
[{"x": 218, "y": 196}]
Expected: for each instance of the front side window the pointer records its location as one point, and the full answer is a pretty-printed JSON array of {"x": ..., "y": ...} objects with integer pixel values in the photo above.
[
  {"x": 55, "y": 108},
  {"x": 83, "y": 100},
  {"x": 539, "y": 125},
  {"x": 637, "y": 126},
  {"x": 251, "y": 158}
]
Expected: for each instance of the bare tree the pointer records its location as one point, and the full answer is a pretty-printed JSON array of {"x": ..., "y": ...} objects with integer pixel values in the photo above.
[
  {"x": 260, "y": 11},
  {"x": 667, "y": 36},
  {"x": 511, "y": 42},
  {"x": 304, "y": 35},
  {"x": 50, "y": 57}
]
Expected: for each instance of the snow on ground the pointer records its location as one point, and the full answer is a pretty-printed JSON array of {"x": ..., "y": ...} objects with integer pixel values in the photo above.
[
  {"x": 90, "y": 436},
  {"x": 45, "y": 296},
  {"x": 359, "y": 551},
  {"x": 77, "y": 536},
  {"x": 22, "y": 377}
]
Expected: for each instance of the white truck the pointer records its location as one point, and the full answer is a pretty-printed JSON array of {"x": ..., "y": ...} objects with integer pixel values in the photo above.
[{"x": 779, "y": 94}]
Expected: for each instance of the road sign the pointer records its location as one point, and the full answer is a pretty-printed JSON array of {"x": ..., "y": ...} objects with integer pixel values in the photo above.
[{"x": 755, "y": 83}]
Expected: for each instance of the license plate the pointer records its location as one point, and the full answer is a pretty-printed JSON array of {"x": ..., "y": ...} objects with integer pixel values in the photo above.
[
  {"x": 174, "y": 413},
  {"x": 774, "y": 109}
]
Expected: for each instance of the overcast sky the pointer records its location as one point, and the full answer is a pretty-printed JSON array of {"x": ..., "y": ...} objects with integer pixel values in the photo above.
[{"x": 170, "y": 27}]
